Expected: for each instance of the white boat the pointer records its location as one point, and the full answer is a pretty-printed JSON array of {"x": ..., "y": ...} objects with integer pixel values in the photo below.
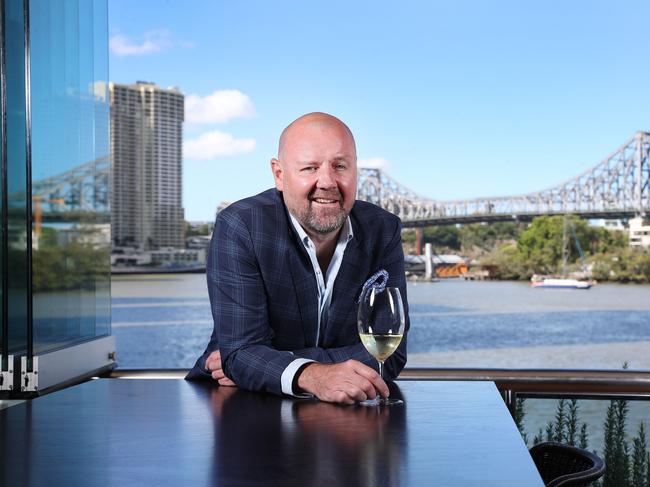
[
  {"x": 561, "y": 283},
  {"x": 564, "y": 281}
]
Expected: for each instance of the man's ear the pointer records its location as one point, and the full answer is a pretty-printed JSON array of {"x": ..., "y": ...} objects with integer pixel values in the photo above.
[{"x": 276, "y": 168}]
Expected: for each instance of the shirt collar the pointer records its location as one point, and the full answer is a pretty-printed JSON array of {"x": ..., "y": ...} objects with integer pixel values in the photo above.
[{"x": 346, "y": 231}]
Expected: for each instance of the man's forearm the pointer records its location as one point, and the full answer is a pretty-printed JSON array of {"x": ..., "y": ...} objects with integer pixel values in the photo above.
[{"x": 256, "y": 367}]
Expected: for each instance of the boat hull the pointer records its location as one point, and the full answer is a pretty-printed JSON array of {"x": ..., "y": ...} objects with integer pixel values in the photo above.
[{"x": 561, "y": 284}]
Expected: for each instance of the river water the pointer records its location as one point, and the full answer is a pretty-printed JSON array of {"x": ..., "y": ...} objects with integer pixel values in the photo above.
[{"x": 164, "y": 321}]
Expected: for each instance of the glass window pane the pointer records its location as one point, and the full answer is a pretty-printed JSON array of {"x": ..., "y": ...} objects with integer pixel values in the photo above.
[
  {"x": 16, "y": 175},
  {"x": 614, "y": 430},
  {"x": 70, "y": 167}
]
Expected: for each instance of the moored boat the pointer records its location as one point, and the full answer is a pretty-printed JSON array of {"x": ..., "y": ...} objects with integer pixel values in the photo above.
[{"x": 560, "y": 283}]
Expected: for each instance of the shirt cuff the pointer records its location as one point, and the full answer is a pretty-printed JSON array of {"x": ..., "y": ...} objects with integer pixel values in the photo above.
[{"x": 288, "y": 374}]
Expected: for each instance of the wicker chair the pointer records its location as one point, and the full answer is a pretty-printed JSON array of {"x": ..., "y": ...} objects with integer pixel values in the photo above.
[{"x": 563, "y": 465}]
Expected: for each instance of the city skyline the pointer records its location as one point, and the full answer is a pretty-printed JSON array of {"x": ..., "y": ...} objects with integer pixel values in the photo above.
[{"x": 454, "y": 101}]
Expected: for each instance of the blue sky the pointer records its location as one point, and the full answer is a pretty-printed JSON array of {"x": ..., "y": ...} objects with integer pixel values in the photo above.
[{"x": 454, "y": 99}]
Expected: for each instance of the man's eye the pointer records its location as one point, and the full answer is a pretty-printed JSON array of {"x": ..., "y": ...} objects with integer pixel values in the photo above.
[
  {"x": 308, "y": 169},
  {"x": 341, "y": 167}
]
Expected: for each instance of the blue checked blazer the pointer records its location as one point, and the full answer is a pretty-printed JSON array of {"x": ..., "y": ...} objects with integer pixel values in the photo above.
[{"x": 263, "y": 292}]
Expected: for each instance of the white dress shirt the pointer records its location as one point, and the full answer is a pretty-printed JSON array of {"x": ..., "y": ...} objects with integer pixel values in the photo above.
[{"x": 325, "y": 286}]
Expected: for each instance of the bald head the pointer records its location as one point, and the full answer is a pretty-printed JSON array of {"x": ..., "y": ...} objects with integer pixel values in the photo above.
[
  {"x": 316, "y": 171},
  {"x": 314, "y": 120}
]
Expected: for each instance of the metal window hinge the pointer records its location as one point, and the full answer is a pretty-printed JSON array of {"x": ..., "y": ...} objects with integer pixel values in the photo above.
[
  {"x": 7, "y": 376},
  {"x": 28, "y": 380}
]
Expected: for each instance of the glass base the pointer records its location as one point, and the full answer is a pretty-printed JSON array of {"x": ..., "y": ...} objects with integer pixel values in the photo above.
[{"x": 380, "y": 401}]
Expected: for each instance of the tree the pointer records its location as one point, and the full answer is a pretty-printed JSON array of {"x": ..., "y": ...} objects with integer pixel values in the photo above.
[
  {"x": 508, "y": 262},
  {"x": 442, "y": 236},
  {"x": 583, "y": 441},
  {"x": 639, "y": 454},
  {"x": 616, "y": 449},
  {"x": 542, "y": 242},
  {"x": 572, "y": 423},
  {"x": 487, "y": 236},
  {"x": 520, "y": 414},
  {"x": 559, "y": 428}
]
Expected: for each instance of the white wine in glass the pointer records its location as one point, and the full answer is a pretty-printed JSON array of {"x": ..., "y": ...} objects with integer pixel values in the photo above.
[{"x": 381, "y": 323}]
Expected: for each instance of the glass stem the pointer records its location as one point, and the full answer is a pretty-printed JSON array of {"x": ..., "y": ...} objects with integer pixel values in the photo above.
[{"x": 381, "y": 369}]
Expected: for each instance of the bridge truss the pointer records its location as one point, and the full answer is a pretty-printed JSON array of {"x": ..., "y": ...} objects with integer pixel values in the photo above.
[
  {"x": 83, "y": 188},
  {"x": 617, "y": 187}
]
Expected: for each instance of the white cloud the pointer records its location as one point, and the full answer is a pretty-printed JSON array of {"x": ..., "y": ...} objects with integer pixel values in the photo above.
[
  {"x": 218, "y": 107},
  {"x": 150, "y": 42},
  {"x": 214, "y": 144},
  {"x": 374, "y": 163}
]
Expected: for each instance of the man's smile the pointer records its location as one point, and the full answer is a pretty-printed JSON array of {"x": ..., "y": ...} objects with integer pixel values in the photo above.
[{"x": 325, "y": 201}]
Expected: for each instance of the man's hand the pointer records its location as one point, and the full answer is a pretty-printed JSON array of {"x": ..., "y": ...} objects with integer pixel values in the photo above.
[
  {"x": 344, "y": 383},
  {"x": 213, "y": 365}
]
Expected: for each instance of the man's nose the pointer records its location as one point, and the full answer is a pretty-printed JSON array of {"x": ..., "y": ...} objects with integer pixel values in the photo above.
[{"x": 326, "y": 177}]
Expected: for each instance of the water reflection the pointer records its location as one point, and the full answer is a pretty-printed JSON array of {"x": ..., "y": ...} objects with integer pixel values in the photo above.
[{"x": 271, "y": 441}]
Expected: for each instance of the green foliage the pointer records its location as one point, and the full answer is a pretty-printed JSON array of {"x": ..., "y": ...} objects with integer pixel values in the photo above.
[
  {"x": 572, "y": 422},
  {"x": 542, "y": 242},
  {"x": 539, "y": 251},
  {"x": 72, "y": 266},
  {"x": 639, "y": 459},
  {"x": 539, "y": 437},
  {"x": 559, "y": 428},
  {"x": 408, "y": 236},
  {"x": 627, "y": 265},
  {"x": 442, "y": 237},
  {"x": 193, "y": 232},
  {"x": 616, "y": 448},
  {"x": 583, "y": 440},
  {"x": 486, "y": 236},
  {"x": 517, "y": 251},
  {"x": 622, "y": 470},
  {"x": 520, "y": 414},
  {"x": 508, "y": 263},
  {"x": 564, "y": 427}
]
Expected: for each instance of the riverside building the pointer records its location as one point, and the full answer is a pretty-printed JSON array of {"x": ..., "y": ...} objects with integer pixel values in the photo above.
[{"x": 146, "y": 144}]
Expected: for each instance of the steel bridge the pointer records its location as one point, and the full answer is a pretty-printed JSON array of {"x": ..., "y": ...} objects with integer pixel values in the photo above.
[
  {"x": 617, "y": 187},
  {"x": 82, "y": 188}
]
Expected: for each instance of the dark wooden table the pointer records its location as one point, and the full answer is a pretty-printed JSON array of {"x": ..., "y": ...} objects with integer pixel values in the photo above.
[{"x": 112, "y": 432}]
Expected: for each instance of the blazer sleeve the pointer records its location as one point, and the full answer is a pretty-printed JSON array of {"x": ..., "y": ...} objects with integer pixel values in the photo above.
[
  {"x": 239, "y": 308},
  {"x": 392, "y": 260}
]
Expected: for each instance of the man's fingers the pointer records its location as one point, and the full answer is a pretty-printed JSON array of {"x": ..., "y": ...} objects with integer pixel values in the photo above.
[
  {"x": 218, "y": 374},
  {"x": 360, "y": 388},
  {"x": 227, "y": 382},
  {"x": 373, "y": 377},
  {"x": 343, "y": 382},
  {"x": 213, "y": 361}
]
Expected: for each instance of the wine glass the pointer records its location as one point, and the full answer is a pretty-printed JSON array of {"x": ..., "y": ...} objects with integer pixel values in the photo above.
[{"x": 381, "y": 325}]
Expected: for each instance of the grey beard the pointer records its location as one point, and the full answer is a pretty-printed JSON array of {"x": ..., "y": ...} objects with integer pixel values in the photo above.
[{"x": 324, "y": 228}]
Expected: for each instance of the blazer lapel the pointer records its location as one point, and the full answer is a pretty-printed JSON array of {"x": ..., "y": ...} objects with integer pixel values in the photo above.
[
  {"x": 347, "y": 287},
  {"x": 302, "y": 275},
  {"x": 304, "y": 283}
]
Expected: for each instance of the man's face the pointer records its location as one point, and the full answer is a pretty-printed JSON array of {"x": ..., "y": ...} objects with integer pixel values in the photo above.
[{"x": 317, "y": 174}]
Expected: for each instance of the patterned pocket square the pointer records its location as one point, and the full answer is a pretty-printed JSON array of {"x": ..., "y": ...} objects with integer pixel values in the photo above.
[{"x": 378, "y": 281}]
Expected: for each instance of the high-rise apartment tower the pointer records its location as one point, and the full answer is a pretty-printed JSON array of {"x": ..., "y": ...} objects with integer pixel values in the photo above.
[{"x": 147, "y": 176}]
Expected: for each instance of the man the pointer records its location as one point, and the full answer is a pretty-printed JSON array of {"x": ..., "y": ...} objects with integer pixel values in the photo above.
[{"x": 285, "y": 270}]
